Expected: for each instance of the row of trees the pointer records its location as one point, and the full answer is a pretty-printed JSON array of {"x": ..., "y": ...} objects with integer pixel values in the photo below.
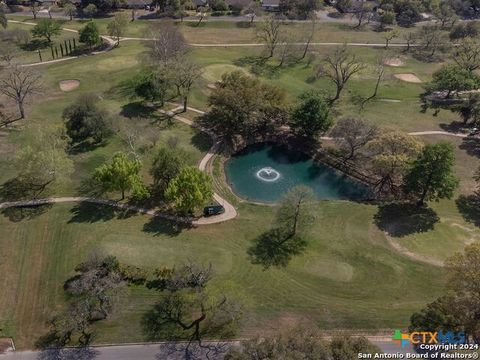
[
  {"x": 188, "y": 308},
  {"x": 185, "y": 187},
  {"x": 168, "y": 73}
]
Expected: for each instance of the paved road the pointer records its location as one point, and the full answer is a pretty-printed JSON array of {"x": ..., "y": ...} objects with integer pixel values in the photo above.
[{"x": 154, "y": 352}]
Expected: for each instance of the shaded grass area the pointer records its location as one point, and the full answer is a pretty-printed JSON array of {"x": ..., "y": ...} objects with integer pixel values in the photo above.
[{"x": 347, "y": 277}]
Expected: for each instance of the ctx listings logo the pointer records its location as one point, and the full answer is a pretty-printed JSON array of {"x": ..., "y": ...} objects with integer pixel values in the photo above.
[{"x": 428, "y": 337}]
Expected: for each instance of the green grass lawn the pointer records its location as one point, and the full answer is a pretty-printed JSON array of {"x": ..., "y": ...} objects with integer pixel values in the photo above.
[
  {"x": 218, "y": 32},
  {"x": 349, "y": 277},
  {"x": 29, "y": 53}
]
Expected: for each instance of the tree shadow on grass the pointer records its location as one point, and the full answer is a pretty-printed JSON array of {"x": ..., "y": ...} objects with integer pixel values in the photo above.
[
  {"x": 193, "y": 351},
  {"x": 85, "y": 146},
  {"x": 201, "y": 141},
  {"x": 15, "y": 190},
  {"x": 469, "y": 207},
  {"x": 471, "y": 145},
  {"x": 35, "y": 44},
  {"x": 85, "y": 212},
  {"x": 158, "y": 226},
  {"x": 400, "y": 219},
  {"x": 258, "y": 65},
  {"x": 138, "y": 109},
  {"x": 270, "y": 249},
  {"x": 76, "y": 353}
]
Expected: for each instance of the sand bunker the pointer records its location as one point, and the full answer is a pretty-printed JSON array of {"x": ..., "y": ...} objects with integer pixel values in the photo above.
[
  {"x": 396, "y": 62},
  {"x": 408, "y": 78},
  {"x": 69, "y": 85}
]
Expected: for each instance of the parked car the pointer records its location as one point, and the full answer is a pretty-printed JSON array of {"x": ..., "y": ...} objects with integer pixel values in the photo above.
[{"x": 213, "y": 210}]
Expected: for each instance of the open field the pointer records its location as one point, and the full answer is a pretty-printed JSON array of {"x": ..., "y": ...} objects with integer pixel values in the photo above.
[
  {"x": 219, "y": 32},
  {"x": 348, "y": 278},
  {"x": 350, "y": 275}
]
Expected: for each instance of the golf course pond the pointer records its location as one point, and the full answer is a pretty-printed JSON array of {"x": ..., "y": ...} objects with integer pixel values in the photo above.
[{"x": 265, "y": 172}]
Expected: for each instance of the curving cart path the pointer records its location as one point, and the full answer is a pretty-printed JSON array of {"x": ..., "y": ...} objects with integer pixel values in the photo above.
[{"x": 230, "y": 211}]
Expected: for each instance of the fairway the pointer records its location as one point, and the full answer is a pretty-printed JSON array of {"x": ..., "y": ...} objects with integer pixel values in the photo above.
[
  {"x": 366, "y": 266},
  {"x": 349, "y": 278}
]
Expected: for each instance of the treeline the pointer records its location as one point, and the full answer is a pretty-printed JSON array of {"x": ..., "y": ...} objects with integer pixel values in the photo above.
[{"x": 188, "y": 308}]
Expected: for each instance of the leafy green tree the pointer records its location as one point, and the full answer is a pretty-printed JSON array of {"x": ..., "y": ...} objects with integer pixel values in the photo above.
[
  {"x": 445, "y": 14},
  {"x": 243, "y": 105},
  {"x": 90, "y": 10},
  {"x": 407, "y": 12},
  {"x": 464, "y": 284},
  {"x": 70, "y": 10},
  {"x": 167, "y": 164},
  {"x": 189, "y": 190},
  {"x": 464, "y": 30},
  {"x": 345, "y": 347},
  {"x": 390, "y": 154},
  {"x": 434, "y": 317},
  {"x": 452, "y": 78},
  {"x": 46, "y": 28},
  {"x": 117, "y": 26},
  {"x": 89, "y": 35},
  {"x": 311, "y": 116},
  {"x": 43, "y": 162},
  {"x": 459, "y": 308},
  {"x": 386, "y": 18},
  {"x": 154, "y": 85},
  {"x": 430, "y": 175},
  {"x": 122, "y": 174},
  {"x": 85, "y": 120}
]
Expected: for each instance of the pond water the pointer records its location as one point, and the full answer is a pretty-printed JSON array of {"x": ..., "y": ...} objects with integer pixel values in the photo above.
[{"x": 265, "y": 172}]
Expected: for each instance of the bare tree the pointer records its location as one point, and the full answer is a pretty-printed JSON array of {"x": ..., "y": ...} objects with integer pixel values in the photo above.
[
  {"x": 185, "y": 73},
  {"x": 410, "y": 39},
  {"x": 19, "y": 83},
  {"x": 362, "y": 12},
  {"x": 308, "y": 32},
  {"x": 33, "y": 8},
  {"x": 287, "y": 49},
  {"x": 430, "y": 38},
  {"x": 268, "y": 31},
  {"x": 352, "y": 134},
  {"x": 252, "y": 11},
  {"x": 379, "y": 72},
  {"x": 201, "y": 14},
  {"x": 8, "y": 52},
  {"x": 167, "y": 42},
  {"x": 339, "y": 66},
  {"x": 467, "y": 54}
]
